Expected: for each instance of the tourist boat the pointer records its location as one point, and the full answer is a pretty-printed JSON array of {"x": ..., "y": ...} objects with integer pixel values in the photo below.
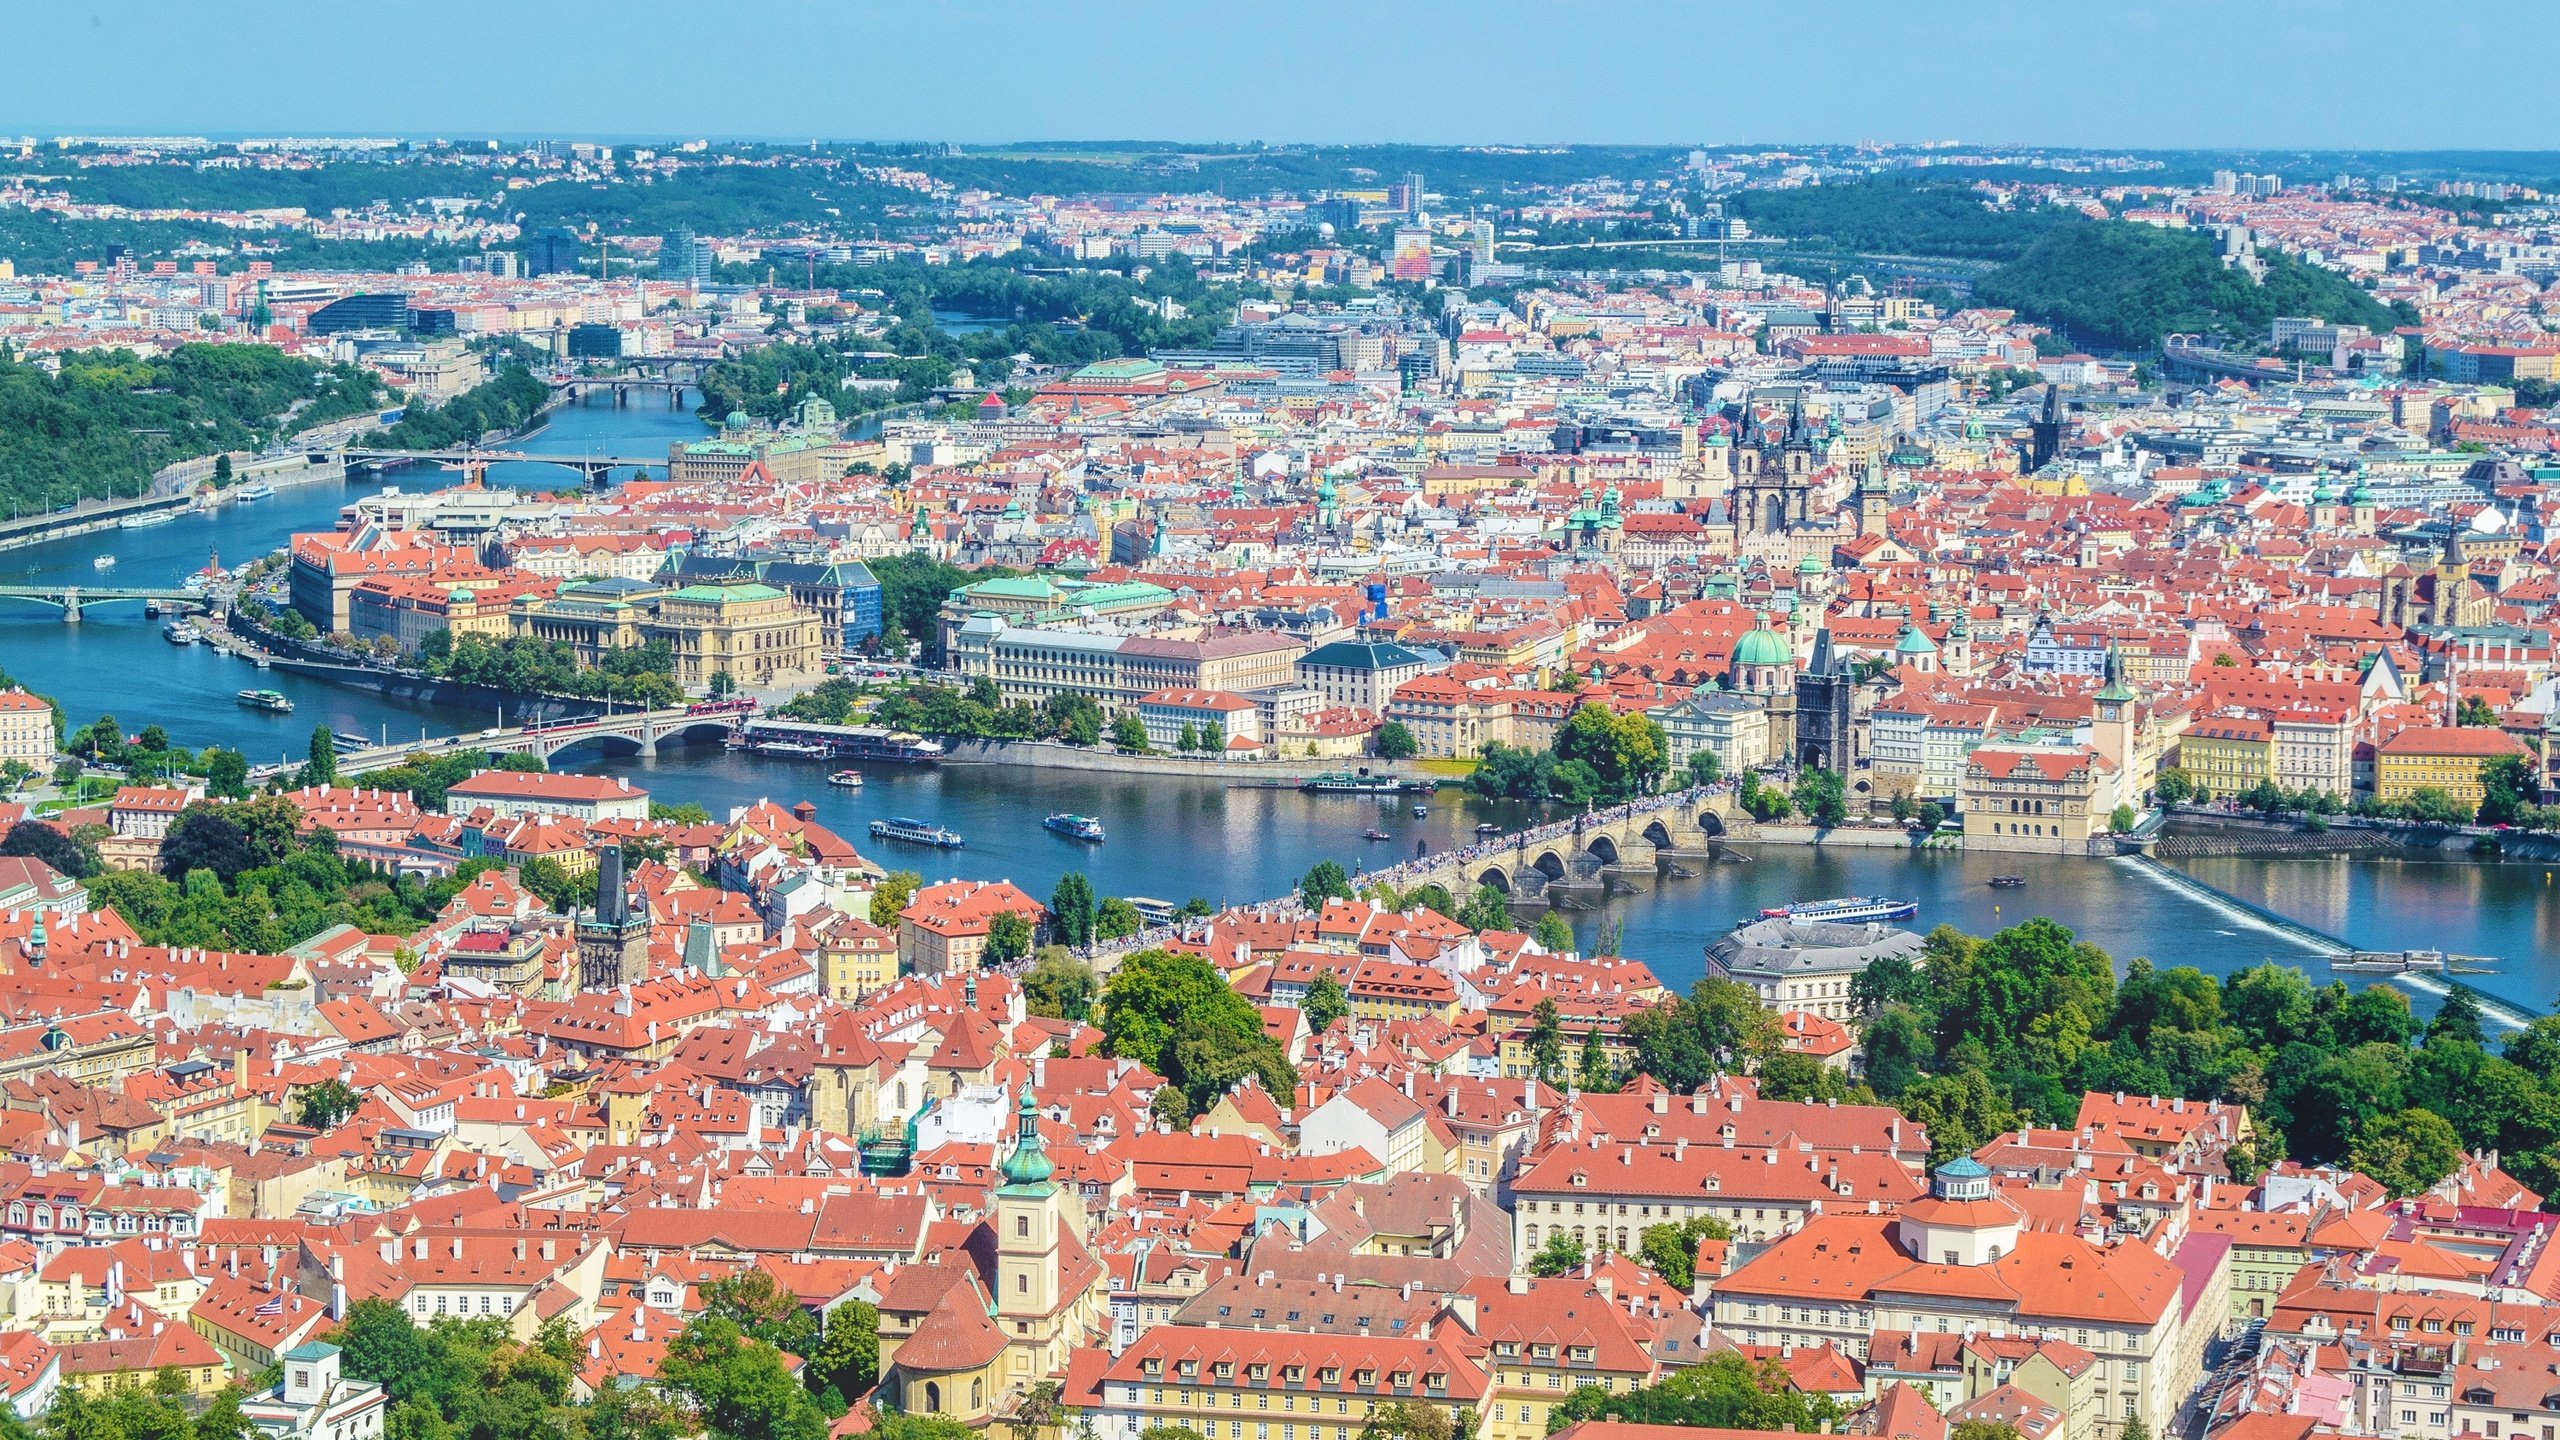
[
  {"x": 1487, "y": 827},
  {"x": 2008, "y": 882},
  {"x": 914, "y": 832},
  {"x": 145, "y": 522},
  {"x": 1375, "y": 835},
  {"x": 795, "y": 749},
  {"x": 1421, "y": 810},
  {"x": 271, "y": 701},
  {"x": 103, "y": 563},
  {"x": 1075, "y": 827},
  {"x": 847, "y": 779},
  {"x": 1847, "y": 910},
  {"x": 260, "y": 490},
  {"x": 1347, "y": 782},
  {"x": 179, "y": 633}
]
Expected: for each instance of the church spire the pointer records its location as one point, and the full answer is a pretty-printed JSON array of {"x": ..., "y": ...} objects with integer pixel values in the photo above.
[{"x": 1027, "y": 1169}]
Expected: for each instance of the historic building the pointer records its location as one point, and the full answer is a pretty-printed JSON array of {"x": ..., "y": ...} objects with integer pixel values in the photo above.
[{"x": 613, "y": 941}]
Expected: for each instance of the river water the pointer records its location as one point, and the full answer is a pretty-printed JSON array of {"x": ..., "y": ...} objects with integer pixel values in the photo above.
[{"x": 1175, "y": 838}]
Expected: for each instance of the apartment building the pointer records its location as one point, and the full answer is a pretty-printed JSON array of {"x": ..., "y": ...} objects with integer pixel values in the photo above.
[
  {"x": 2440, "y": 757},
  {"x": 27, "y": 734}
]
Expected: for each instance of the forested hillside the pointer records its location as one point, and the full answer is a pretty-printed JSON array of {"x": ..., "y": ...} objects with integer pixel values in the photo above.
[
  {"x": 2124, "y": 286},
  {"x": 101, "y": 426}
]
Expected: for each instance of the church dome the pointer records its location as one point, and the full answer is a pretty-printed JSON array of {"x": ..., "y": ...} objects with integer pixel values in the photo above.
[
  {"x": 1913, "y": 642},
  {"x": 1762, "y": 647}
]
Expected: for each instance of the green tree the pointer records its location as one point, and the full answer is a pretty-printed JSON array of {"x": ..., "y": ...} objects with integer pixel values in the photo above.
[
  {"x": 2173, "y": 785},
  {"x": 1554, "y": 933},
  {"x": 1116, "y": 919},
  {"x": 1395, "y": 741},
  {"x": 1672, "y": 1249},
  {"x": 1592, "y": 1070},
  {"x": 2122, "y": 819},
  {"x": 323, "y": 1105},
  {"x": 1706, "y": 767},
  {"x": 1323, "y": 881},
  {"x": 2475, "y": 711},
  {"x": 226, "y": 773},
  {"x": 1324, "y": 1003},
  {"x": 1724, "y": 1391},
  {"x": 1821, "y": 796},
  {"x": 1546, "y": 1042},
  {"x": 1189, "y": 738},
  {"x": 762, "y": 1310},
  {"x": 2430, "y": 805},
  {"x": 1059, "y": 986},
  {"x": 2458, "y": 1019},
  {"x": 1071, "y": 909},
  {"x": 2408, "y": 1152},
  {"x": 1008, "y": 937},
  {"x": 848, "y": 1354},
  {"x": 1486, "y": 909},
  {"x": 1129, "y": 733},
  {"x": 2507, "y": 788},
  {"x": 738, "y": 1385},
  {"x": 321, "y": 766},
  {"x": 895, "y": 892},
  {"x": 36, "y": 840},
  {"x": 1175, "y": 1015},
  {"x": 1560, "y": 1253},
  {"x": 1626, "y": 753}
]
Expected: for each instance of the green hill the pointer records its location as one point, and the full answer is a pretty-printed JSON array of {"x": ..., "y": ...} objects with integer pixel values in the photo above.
[{"x": 2124, "y": 286}]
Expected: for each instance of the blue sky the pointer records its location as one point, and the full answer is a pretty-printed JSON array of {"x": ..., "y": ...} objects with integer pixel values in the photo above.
[{"x": 2114, "y": 73}]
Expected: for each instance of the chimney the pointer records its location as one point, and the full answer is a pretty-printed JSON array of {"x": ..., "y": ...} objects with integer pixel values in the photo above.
[{"x": 1661, "y": 1102}]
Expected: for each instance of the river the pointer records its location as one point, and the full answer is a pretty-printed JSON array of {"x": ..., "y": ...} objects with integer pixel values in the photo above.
[{"x": 1177, "y": 838}]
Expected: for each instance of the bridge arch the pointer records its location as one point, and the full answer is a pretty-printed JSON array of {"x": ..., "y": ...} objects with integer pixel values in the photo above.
[
  {"x": 707, "y": 727},
  {"x": 607, "y": 741},
  {"x": 1494, "y": 876},
  {"x": 1604, "y": 848},
  {"x": 1549, "y": 864},
  {"x": 1658, "y": 834},
  {"x": 1710, "y": 823}
]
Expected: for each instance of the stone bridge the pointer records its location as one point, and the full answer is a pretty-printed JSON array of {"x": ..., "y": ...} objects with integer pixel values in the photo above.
[
  {"x": 1569, "y": 863},
  {"x": 632, "y": 731},
  {"x": 72, "y": 599}
]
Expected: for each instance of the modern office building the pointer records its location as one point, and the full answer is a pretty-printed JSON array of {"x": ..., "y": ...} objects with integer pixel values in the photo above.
[{"x": 553, "y": 252}]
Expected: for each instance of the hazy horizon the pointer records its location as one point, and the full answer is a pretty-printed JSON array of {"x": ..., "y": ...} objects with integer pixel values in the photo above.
[{"x": 2173, "y": 75}]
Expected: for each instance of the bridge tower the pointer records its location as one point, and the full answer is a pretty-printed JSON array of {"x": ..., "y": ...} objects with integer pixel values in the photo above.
[{"x": 613, "y": 942}]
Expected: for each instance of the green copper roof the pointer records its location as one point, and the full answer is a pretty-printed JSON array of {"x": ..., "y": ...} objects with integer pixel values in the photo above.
[
  {"x": 1027, "y": 1169},
  {"x": 714, "y": 594},
  {"x": 1762, "y": 647}
]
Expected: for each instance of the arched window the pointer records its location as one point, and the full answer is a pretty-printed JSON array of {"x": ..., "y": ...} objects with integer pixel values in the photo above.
[{"x": 933, "y": 1396}]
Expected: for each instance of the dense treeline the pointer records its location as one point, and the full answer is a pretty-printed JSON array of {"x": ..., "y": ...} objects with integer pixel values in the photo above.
[
  {"x": 1072, "y": 319},
  {"x": 503, "y": 402},
  {"x": 239, "y": 877},
  {"x": 2126, "y": 286},
  {"x": 643, "y": 675},
  {"x": 1988, "y": 1034},
  {"x": 100, "y": 426},
  {"x": 1901, "y": 217}
]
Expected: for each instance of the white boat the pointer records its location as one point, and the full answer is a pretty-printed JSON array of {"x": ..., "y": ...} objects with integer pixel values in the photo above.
[
  {"x": 259, "y": 490},
  {"x": 103, "y": 563},
  {"x": 145, "y": 522}
]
